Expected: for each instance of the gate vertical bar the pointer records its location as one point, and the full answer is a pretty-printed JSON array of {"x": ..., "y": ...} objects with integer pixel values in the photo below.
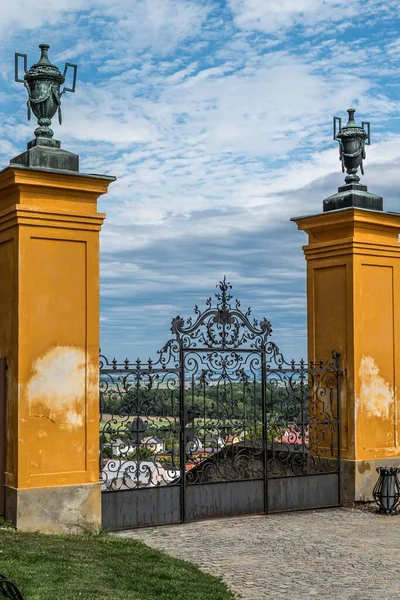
[
  {"x": 339, "y": 428},
  {"x": 264, "y": 427},
  {"x": 2, "y": 431},
  {"x": 182, "y": 422},
  {"x": 303, "y": 425}
]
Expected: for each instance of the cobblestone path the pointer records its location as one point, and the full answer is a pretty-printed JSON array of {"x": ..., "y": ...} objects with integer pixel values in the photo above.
[{"x": 336, "y": 554}]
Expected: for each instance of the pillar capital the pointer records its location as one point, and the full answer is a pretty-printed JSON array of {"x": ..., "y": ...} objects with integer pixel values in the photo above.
[
  {"x": 58, "y": 191},
  {"x": 350, "y": 231},
  {"x": 337, "y": 222}
]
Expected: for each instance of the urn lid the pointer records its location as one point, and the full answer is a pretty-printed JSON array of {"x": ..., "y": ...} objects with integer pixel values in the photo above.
[
  {"x": 352, "y": 129},
  {"x": 44, "y": 69}
]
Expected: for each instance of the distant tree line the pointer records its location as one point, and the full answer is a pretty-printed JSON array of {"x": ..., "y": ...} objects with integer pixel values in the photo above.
[{"x": 233, "y": 400}]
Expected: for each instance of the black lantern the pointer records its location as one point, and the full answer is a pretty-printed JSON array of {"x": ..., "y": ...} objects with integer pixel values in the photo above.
[
  {"x": 9, "y": 589},
  {"x": 387, "y": 490}
]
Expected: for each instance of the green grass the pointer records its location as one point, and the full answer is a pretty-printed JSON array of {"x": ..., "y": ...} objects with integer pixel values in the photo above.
[{"x": 86, "y": 567}]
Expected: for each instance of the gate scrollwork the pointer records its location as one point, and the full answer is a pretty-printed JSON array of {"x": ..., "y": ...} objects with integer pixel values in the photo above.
[{"x": 220, "y": 404}]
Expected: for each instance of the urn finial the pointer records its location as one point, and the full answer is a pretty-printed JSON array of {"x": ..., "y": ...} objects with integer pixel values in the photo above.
[
  {"x": 42, "y": 82},
  {"x": 351, "y": 112},
  {"x": 44, "y": 59},
  {"x": 352, "y": 140}
]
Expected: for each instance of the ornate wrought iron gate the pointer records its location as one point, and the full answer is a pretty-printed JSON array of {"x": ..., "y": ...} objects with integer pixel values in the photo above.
[{"x": 220, "y": 425}]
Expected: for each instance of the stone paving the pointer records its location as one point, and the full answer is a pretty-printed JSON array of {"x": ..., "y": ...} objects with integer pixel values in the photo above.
[{"x": 335, "y": 554}]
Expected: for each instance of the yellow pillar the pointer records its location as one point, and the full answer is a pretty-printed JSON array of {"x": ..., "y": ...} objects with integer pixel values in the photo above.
[
  {"x": 353, "y": 306},
  {"x": 49, "y": 334}
]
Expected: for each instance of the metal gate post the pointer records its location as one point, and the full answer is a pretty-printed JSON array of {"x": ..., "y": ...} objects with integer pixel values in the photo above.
[
  {"x": 339, "y": 374},
  {"x": 182, "y": 439},
  {"x": 264, "y": 426}
]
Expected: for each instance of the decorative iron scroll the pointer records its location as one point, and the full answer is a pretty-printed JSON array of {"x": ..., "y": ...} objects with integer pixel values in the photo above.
[
  {"x": 219, "y": 404},
  {"x": 222, "y": 326},
  {"x": 140, "y": 425},
  {"x": 302, "y": 407}
]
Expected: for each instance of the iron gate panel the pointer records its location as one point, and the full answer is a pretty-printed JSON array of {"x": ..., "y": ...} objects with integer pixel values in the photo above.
[
  {"x": 219, "y": 425},
  {"x": 224, "y": 417},
  {"x": 143, "y": 507},
  {"x": 140, "y": 407},
  {"x": 303, "y": 415}
]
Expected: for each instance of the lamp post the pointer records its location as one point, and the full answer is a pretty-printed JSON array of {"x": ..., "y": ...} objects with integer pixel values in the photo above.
[{"x": 387, "y": 490}]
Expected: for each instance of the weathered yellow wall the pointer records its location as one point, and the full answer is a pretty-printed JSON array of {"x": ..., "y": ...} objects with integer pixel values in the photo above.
[
  {"x": 353, "y": 296},
  {"x": 327, "y": 286},
  {"x": 376, "y": 356},
  {"x": 49, "y": 325},
  {"x": 8, "y": 341}
]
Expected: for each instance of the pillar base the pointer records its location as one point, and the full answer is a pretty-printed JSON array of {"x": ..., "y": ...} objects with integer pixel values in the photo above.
[
  {"x": 358, "y": 478},
  {"x": 353, "y": 196},
  {"x": 64, "y": 509},
  {"x": 45, "y": 153}
]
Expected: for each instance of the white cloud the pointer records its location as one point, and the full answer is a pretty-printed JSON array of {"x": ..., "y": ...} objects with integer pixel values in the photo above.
[
  {"x": 218, "y": 131},
  {"x": 272, "y": 17},
  {"x": 28, "y": 14}
]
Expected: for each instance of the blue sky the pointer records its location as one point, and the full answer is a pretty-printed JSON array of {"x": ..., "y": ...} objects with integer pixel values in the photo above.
[{"x": 216, "y": 118}]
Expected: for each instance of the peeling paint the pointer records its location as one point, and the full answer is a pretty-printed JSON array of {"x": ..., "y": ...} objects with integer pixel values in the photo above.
[
  {"x": 57, "y": 386},
  {"x": 74, "y": 419},
  {"x": 44, "y": 417},
  {"x": 376, "y": 395},
  {"x": 363, "y": 467}
]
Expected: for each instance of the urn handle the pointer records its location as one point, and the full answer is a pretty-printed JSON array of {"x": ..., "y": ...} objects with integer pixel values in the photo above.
[
  {"x": 367, "y": 131},
  {"x": 75, "y": 68},
  {"x": 337, "y": 126},
  {"x": 17, "y": 56}
]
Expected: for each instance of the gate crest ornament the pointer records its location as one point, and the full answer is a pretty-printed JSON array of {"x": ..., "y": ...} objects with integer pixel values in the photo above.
[{"x": 223, "y": 325}]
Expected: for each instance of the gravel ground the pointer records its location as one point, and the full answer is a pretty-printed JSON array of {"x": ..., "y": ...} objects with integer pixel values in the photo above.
[{"x": 337, "y": 554}]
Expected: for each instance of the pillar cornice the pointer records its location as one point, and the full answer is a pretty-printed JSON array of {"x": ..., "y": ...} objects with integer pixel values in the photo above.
[
  {"x": 347, "y": 215},
  {"x": 64, "y": 180},
  {"x": 57, "y": 191},
  {"x": 20, "y": 215},
  {"x": 349, "y": 246}
]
